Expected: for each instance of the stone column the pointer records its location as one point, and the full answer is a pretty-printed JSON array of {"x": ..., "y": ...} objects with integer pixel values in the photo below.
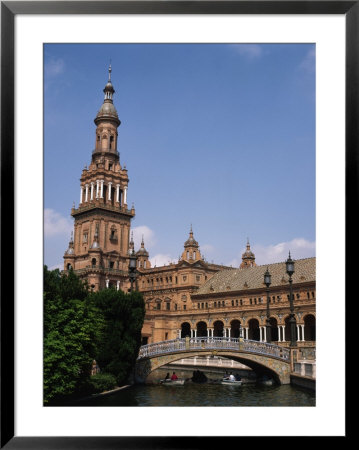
[
  {"x": 265, "y": 334},
  {"x": 302, "y": 332},
  {"x": 298, "y": 333},
  {"x": 107, "y": 282},
  {"x": 81, "y": 191},
  {"x": 260, "y": 334},
  {"x": 118, "y": 193},
  {"x": 118, "y": 285},
  {"x": 86, "y": 192},
  {"x": 125, "y": 196},
  {"x": 279, "y": 334},
  {"x": 92, "y": 185},
  {"x": 101, "y": 193},
  {"x": 109, "y": 190},
  {"x": 283, "y": 333},
  {"x": 97, "y": 187},
  {"x": 229, "y": 332},
  {"x": 246, "y": 329}
]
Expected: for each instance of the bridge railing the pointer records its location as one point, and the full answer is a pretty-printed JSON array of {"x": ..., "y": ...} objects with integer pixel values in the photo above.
[{"x": 213, "y": 343}]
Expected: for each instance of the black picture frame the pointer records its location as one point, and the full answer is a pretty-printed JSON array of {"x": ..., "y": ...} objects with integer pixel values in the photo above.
[{"x": 9, "y": 9}]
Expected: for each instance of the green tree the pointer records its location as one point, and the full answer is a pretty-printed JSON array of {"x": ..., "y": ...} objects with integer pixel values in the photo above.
[
  {"x": 72, "y": 329},
  {"x": 121, "y": 339}
]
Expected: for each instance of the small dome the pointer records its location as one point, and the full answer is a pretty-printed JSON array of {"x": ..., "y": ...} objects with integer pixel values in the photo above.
[
  {"x": 107, "y": 109},
  {"x": 191, "y": 241}
]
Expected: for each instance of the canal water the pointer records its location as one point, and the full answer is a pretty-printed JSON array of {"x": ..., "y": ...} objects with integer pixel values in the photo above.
[{"x": 206, "y": 394}]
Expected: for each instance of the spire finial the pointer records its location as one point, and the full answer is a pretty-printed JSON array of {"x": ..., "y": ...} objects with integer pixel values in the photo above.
[{"x": 109, "y": 71}]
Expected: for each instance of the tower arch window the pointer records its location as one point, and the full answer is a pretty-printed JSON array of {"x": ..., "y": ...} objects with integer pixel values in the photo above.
[{"x": 93, "y": 261}]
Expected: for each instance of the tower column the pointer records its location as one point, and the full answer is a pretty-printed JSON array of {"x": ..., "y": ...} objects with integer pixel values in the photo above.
[
  {"x": 86, "y": 192},
  {"x": 81, "y": 191},
  {"x": 97, "y": 187},
  {"x": 125, "y": 196},
  {"x": 117, "y": 193},
  {"x": 109, "y": 190},
  {"x": 92, "y": 185},
  {"x": 101, "y": 192}
]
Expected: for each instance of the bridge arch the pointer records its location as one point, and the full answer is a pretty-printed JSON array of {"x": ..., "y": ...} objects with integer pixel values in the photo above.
[
  {"x": 279, "y": 371},
  {"x": 263, "y": 358}
]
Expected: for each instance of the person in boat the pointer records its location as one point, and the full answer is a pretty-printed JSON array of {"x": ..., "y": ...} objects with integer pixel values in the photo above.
[
  {"x": 237, "y": 377},
  {"x": 231, "y": 377},
  {"x": 167, "y": 376},
  {"x": 174, "y": 376},
  {"x": 226, "y": 376}
]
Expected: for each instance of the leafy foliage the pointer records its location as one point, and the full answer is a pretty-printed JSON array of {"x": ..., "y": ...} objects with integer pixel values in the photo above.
[
  {"x": 102, "y": 382},
  {"x": 121, "y": 339},
  {"x": 79, "y": 327},
  {"x": 72, "y": 328}
]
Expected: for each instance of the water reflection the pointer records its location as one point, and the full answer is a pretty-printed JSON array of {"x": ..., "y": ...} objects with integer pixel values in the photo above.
[{"x": 207, "y": 395}]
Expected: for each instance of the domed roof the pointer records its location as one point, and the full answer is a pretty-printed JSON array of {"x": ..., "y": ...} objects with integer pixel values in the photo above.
[
  {"x": 248, "y": 253},
  {"x": 142, "y": 251},
  {"x": 107, "y": 109},
  {"x": 191, "y": 241},
  {"x": 70, "y": 250}
]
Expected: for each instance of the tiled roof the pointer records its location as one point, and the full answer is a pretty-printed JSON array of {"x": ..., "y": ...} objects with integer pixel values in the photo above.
[{"x": 253, "y": 277}]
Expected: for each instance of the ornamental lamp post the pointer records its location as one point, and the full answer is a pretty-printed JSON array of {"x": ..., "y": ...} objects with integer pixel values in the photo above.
[
  {"x": 292, "y": 323},
  {"x": 132, "y": 268},
  {"x": 268, "y": 282}
]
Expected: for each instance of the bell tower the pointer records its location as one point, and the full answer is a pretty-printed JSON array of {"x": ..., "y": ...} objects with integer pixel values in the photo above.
[{"x": 100, "y": 245}]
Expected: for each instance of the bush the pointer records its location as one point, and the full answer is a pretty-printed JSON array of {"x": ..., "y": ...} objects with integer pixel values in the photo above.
[{"x": 102, "y": 382}]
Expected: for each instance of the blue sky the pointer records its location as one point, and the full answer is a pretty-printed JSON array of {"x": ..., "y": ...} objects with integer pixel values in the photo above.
[{"x": 220, "y": 136}]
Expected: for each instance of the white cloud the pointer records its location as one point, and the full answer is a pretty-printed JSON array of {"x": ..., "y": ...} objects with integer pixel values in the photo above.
[
  {"x": 161, "y": 260},
  {"x": 148, "y": 237},
  {"x": 57, "y": 266},
  {"x": 250, "y": 51},
  {"x": 55, "y": 224},
  {"x": 308, "y": 63},
  {"x": 299, "y": 248},
  {"x": 54, "y": 67}
]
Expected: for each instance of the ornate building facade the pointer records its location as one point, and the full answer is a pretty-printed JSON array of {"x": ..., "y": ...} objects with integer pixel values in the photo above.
[{"x": 191, "y": 297}]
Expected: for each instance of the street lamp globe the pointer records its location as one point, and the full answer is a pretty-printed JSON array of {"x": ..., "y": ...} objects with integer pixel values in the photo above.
[
  {"x": 289, "y": 266},
  {"x": 267, "y": 278}
]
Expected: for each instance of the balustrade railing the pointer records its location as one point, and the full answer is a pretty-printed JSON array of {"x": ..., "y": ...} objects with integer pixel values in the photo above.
[{"x": 213, "y": 343}]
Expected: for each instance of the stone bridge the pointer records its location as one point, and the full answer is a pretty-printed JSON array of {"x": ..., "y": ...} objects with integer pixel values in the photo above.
[{"x": 263, "y": 358}]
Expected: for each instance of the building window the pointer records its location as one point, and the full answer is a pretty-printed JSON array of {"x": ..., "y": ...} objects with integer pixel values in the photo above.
[
  {"x": 215, "y": 304},
  {"x": 184, "y": 278},
  {"x": 308, "y": 295},
  {"x": 168, "y": 306},
  {"x": 111, "y": 264},
  {"x": 241, "y": 302},
  {"x": 184, "y": 307},
  {"x": 198, "y": 277},
  {"x": 175, "y": 306},
  {"x": 313, "y": 294},
  {"x": 158, "y": 306},
  {"x": 85, "y": 238}
]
